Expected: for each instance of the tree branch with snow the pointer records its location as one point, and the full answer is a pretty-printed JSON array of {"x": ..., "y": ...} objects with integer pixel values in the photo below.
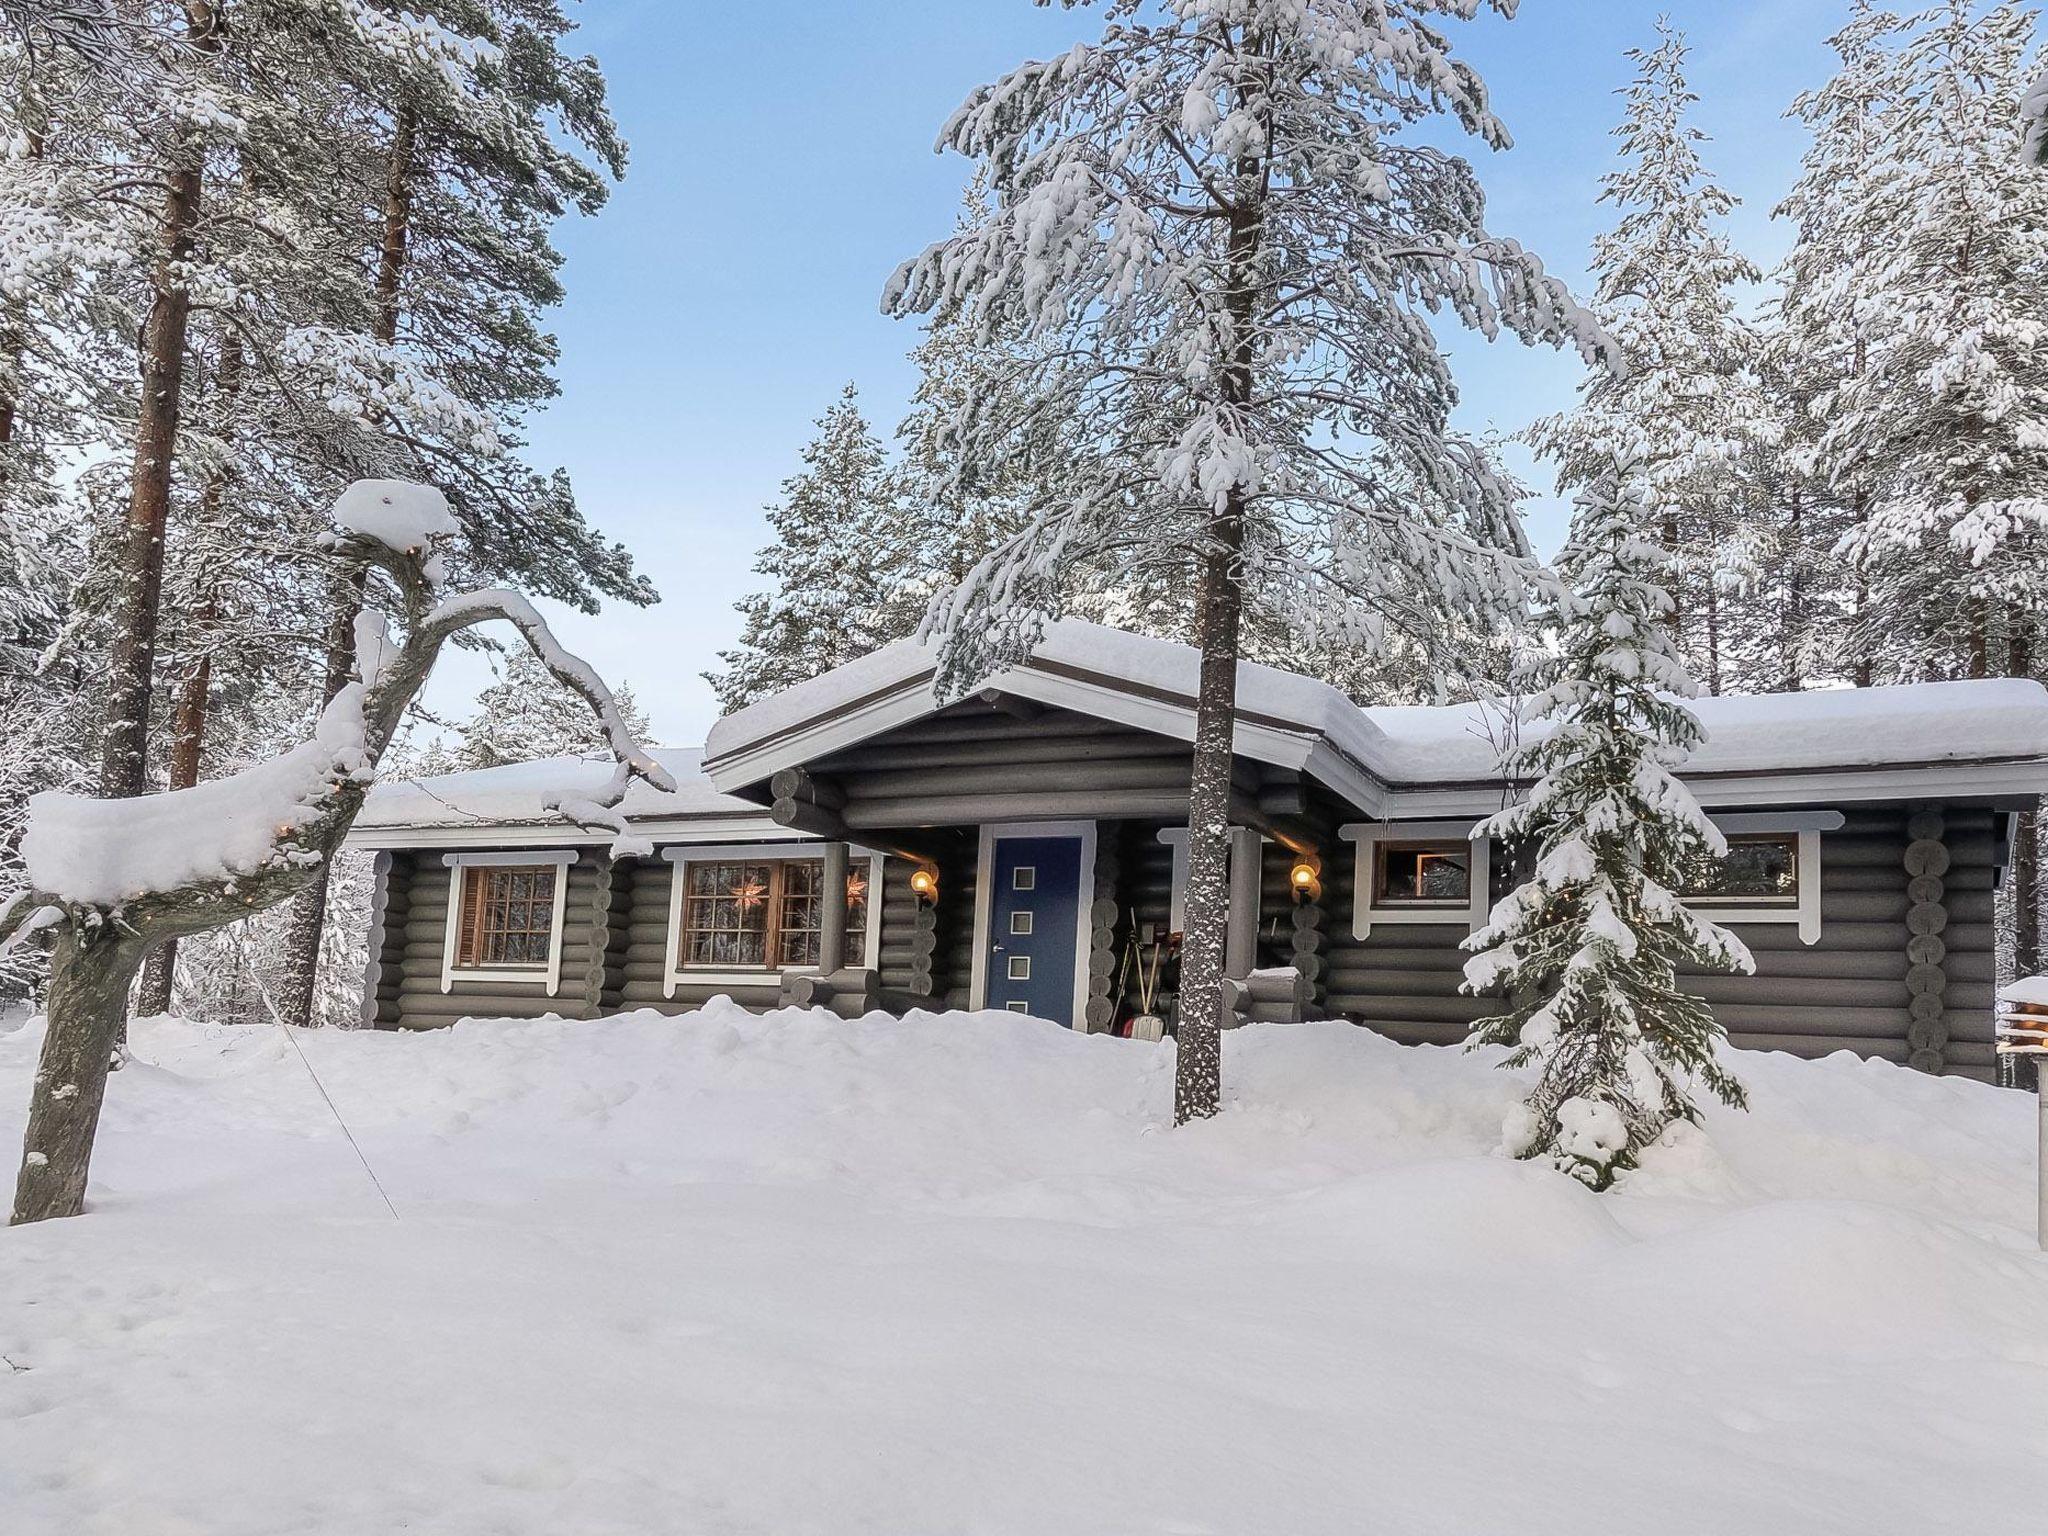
[{"x": 123, "y": 875}]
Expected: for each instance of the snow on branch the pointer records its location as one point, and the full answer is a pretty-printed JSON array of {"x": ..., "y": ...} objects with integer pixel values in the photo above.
[{"x": 175, "y": 862}]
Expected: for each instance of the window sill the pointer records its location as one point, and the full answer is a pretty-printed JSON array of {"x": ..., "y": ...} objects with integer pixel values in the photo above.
[
  {"x": 731, "y": 978},
  {"x": 537, "y": 977}
]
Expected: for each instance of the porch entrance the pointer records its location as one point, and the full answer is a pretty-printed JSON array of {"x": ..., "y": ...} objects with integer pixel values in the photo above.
[{"x": 1030, "y": 939}]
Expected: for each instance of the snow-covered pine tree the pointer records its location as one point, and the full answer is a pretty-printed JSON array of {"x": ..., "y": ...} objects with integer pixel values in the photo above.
[
  {"x": 1589, "y": 947},
  {"x": 1948, "y": 416},
  {"x": 487, "y": 132},
  {"x": 1816, "y": 341},
  {"x": 1225, "y": 226},
  {"x": 956, "y": 508},
  {"x": 840, "y": 549},
  {"x": 527, "y": 715},
  {"x": 1689, "y": 409}
]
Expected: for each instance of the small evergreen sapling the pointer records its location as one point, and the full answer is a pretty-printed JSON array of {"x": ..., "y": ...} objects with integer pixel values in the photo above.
[{"x": 1588, "y": 948}]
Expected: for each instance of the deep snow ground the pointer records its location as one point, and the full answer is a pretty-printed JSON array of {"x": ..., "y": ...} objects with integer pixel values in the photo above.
[{"x": 789, "y": 1275}]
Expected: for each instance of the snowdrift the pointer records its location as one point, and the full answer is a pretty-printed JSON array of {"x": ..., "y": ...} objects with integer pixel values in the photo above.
[{"x": 726, "y": 1273}]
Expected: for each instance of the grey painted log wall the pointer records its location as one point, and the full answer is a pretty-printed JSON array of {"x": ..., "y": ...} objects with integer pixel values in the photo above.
[
  {"x": 1848, "y": 991},
  {"x": 1855, "y": 989},
  {"x": 420, "y": 938}
]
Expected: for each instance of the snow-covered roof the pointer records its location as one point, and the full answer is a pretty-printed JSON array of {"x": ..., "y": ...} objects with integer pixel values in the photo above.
[
  {"x": 1407, "y": 760},
  {"x": 1152, "y": 683},
  {"x": 1754, "y": 733},
  {"x": 518, "y": 795}
]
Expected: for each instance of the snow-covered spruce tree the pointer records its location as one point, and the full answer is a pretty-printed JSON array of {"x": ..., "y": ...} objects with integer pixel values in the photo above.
[
  {"x": 1689, "y": 409},
  {"x": 957, "y": 508},
  {"x": 840, "y": 551},
  {"x": 1948, "y": 417},
  {"x": 526, "y": 715},
  {"x": 1223, "y": 225},
  {"x": 1589, "y": 948},
  {"x": 1816, "y": 341},
  {"x": 110, "y": 879}
]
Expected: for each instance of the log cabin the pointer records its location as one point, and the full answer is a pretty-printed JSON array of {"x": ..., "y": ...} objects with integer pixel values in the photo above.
[{"x": 858, "y": 843}]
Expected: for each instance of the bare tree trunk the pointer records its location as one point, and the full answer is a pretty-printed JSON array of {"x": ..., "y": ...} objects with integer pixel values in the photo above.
[
  {"x": 1791, "y": 666},
  {"x": 1219, "y": 621},
  {"x": 300, "y": 981},
  {"x": 1198, "y": 1066},
  {"x": 1865, "y": 668},
  {"x": 139, "y": 557},
  {"x": 1713, "y": 606},
  {"x": 188, "y": 741},
  {"x": 88, "y": 1006}
]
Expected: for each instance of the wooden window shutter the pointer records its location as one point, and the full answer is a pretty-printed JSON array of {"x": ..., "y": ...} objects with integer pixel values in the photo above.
[{"x": 470, "y": 947}]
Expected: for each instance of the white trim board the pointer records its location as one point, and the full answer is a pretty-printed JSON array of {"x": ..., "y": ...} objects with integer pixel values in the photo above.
[
  {"x": 984, "y": 905},
  {"x": 1241, "y": 938},
  {"x": 710, "y": 829},
  {"x": 1808, "y": 825},
  {"x": 548, "y": 976},
  {"x": 674, "y": 976},
  {"x": 1369, "y": 835}
]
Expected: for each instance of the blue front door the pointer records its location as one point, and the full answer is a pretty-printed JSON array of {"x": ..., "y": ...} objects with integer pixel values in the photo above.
[{"x": 1034, "y": 907}]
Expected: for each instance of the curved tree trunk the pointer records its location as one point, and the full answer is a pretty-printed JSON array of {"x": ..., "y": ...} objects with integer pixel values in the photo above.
[{"x": 88, "y": 1008}]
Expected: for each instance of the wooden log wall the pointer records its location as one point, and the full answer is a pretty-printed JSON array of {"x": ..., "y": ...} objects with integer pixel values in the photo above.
[
  {"x": 1108, "y": 930},
  {"x": 1860, "y": 988},
  {"x": 390, "y": 900},
  {"x": 420, "y": 931}
]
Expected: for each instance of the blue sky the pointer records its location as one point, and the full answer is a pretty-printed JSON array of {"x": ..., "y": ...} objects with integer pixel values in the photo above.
[{"x": 782, "y": 165}]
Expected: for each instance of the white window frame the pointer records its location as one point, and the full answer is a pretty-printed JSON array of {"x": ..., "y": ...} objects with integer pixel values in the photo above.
[
  {"x": 1364, "y": 882},
  {"x": 1809, "y": 825},
  {"x": 675, "y": 975},
  {"x": 1241, "y": 929},
  {"x": 548, "y": 977},
  {"x": 984, "y": 906}
]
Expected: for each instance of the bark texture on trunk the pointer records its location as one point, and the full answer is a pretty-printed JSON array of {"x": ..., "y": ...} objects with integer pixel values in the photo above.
[
  {"x": 1791, "y": 665},
  {"x": 188, "y": 742},
  {"x": 195, "y": 693},
  {"x": 88, "y": 1006},
  {"x": 1198, "y": 1060},
  {"x": 139, "y": 554},
  {"x": 308, "y": 920},
  {"x": 1198, "y": 1065}
]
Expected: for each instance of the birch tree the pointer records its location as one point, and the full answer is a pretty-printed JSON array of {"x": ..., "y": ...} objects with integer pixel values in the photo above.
[{"x": 1230, "y": 230}]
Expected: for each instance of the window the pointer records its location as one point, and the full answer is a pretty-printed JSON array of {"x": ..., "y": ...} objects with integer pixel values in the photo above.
[
  {"x": 762, "y": 914},
  {"x": 1020, "y": 967},
  {"x": 1024, "y": 878},
  {"x": 505, "y": 913},
  {"x": 1422, "y": 875},
  {"x": 1020, "y": 923},
  {"x": 508, "y": 917},
  {"x": 1761, "y": 870}
]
